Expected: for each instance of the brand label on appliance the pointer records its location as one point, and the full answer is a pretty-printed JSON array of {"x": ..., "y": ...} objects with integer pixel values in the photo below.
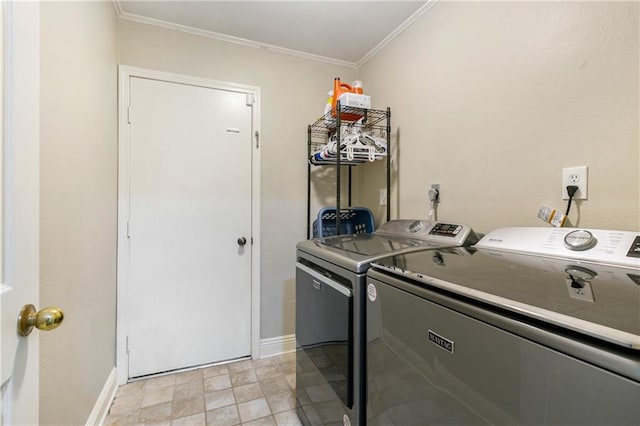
[
  {"x": 372, "y": 293},
  {"x": 443, "y": 342}
]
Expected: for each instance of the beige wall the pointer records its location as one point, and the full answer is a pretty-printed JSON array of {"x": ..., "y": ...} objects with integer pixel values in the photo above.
[
  {"x": 293, "y": 93},
  {"x": 506, "y": 93},
  {"x": 77, "y": 205},
  {"x": 492, "y": 100}
]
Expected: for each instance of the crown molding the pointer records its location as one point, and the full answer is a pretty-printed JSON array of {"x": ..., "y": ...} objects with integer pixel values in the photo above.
[
  {"x": 388, "y": 39},
  {"x": 117, "y": 6},
  {"x": 277, "y": 49},
  {"x": 227, "y": 38}
]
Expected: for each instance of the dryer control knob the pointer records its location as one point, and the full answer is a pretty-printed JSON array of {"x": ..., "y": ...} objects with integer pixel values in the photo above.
[
  {"x": 415, "y": 226},
  {"x": 580, "y": 240}
]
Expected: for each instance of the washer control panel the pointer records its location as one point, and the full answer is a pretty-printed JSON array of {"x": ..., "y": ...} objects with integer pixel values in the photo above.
[
  {"x": 442, "y": 232},
  {"x": 446, "y": 229},
  {"x": 591, "y": 245}
]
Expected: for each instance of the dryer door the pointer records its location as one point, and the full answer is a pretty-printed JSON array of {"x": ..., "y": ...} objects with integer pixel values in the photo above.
[{"x": 324, "y": 339}]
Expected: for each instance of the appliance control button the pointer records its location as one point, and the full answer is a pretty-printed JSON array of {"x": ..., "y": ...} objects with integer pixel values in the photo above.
[
  {"x": 580, "y": 240},
  {"x": 634, "y": 250},
  {"x": 415, "y": 226}
]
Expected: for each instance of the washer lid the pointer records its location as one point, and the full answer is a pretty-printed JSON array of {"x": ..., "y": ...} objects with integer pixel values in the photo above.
[
  {"x": 600, "y": 301},
  {"x": 371, "y": 245},
  {"x": 355, "y": 252}
]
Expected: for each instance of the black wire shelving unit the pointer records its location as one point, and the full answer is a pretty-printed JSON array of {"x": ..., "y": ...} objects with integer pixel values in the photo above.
[{"x": 327, "y": 127}]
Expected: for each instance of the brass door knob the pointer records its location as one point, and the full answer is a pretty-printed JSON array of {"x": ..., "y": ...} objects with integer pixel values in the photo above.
[{"x": 45, "y": 319}]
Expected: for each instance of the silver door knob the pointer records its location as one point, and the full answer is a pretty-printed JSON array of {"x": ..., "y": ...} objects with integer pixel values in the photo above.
[{"x": 242, "y": 241}]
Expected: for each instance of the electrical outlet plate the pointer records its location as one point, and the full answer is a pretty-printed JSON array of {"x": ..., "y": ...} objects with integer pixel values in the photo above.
[
  {"x": 581, "y": 290},
  {"x": 575, "y": 176},
  {"x": 435, "y": 187},
  {"x": 383, "y": 196}
]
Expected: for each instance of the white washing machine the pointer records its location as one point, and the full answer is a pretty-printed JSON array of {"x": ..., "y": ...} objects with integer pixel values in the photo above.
[{"x": 536, "y": 326}]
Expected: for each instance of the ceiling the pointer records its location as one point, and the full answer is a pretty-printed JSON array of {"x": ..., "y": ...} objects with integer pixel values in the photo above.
[{"x": 340, "y": 31}]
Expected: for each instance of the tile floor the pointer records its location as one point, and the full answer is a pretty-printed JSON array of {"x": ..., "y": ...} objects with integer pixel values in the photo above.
[{"x": 249, "y": 392}]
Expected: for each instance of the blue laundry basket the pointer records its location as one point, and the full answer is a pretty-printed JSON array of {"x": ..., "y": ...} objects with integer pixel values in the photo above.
[{"x": 353, "y": 220}]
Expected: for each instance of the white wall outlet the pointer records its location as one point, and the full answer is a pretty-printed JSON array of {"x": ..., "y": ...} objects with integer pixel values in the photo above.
[
  {"x": 575, "y": 176},
  {"x": 383, "y": 196}
]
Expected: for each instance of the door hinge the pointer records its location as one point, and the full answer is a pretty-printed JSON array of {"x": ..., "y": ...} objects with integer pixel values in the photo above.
[
  {"x": 129, "y": 114},
  {"x": 126, "y": 345},
  {"x": 257, "y": 139},
  {"x": 128, "y": 229},
  {"x": 251, "y": 240},
  {"x": 250, "y": 99}
]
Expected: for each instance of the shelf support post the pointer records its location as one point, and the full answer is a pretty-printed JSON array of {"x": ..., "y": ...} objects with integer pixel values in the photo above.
[
  {"x": 388, "y": 164},
  {"x": 338, "y": 134},
  {"x": 308, "y": 182}
]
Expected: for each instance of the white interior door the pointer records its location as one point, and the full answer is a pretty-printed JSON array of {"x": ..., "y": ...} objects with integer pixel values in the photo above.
[
  {"x": 189, "y": 299},
  {"x": 19, "y": 227}
]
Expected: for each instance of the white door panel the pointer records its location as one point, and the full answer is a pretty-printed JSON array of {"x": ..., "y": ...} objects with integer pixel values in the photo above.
[
  {"x": 19, "y": 227},
  {"x": 190, "y": 201}
]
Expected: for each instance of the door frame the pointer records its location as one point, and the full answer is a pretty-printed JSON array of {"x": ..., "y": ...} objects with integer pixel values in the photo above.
[{"x": 125, "y": 72}]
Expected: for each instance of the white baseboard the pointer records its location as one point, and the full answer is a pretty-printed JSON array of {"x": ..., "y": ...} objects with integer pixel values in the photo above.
[
  {"x": 101, "y": 407},
  {"x": 277, "y": 345}
]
